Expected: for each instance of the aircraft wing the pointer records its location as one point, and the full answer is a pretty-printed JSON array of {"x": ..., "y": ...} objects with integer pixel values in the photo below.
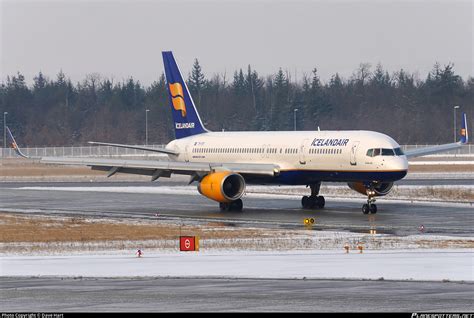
[
  {"x": 160, "y": 150},
  {"x": 157, "y": 169},
  {"x": 432, "y": 150},
  {"x": 464, "y": 138}
]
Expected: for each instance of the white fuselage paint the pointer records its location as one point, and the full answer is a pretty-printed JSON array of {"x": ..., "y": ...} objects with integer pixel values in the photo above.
[{"x": 337, "y": 151}]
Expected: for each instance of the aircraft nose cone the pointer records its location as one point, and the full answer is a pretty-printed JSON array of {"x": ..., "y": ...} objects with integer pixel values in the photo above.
[{"x": 403, "y": 162}]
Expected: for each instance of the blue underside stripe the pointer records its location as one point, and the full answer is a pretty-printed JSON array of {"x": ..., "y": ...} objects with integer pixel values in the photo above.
[{"x": 303, "y": 177}]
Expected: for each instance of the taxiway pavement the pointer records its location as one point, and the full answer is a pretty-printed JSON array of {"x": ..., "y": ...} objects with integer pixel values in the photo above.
[
  {"x": 276, "y": 211},
  {"x": 52, "y": 294}
]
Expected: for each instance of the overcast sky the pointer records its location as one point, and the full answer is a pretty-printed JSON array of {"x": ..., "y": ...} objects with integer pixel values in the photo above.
[{"x": 118, "y": 39}]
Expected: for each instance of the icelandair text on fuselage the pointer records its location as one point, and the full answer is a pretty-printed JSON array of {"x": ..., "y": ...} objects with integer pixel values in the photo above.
[
  {"x": 184, "y": 125},
  {"x": 329, "y": 142}
]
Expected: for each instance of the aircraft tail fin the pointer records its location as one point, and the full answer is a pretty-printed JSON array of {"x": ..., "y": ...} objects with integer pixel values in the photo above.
[
  {"x": 14, "y": 145},
  {"x": 186, "y": 118},
  {"x": 464, "y": 134}
]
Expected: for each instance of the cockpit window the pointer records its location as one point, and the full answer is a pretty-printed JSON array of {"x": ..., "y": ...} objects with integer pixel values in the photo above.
[
  {"x": 387, "y": 152},
  {"x": 374, "y": 152},
  {"x": 399, "y": 152}
]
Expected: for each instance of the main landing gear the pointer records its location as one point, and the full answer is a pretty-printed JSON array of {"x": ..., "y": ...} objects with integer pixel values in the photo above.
[
  {"x": 314, "y": 200},
  {"x": 236, "y": 205},
  {"x": 370, "y": 206}
]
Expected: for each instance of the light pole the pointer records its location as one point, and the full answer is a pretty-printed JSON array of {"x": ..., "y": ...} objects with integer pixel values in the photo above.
[
  {"x": 5, "y": 130},
  {"x": 454, "y": 119},
  {"x": 294, "y": 117},
  {"x": 146, "y": 126}
]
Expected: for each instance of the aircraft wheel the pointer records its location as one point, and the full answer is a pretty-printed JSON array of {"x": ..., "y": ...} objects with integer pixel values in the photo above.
[
  {"x": 223, "y": 206},
  {"x": 321, "y": 202},
  {"x": 365, "y": 209},
  {"x": 373, "y": 209},
  {"x": 237, "y": 205},
  {"x": 306, "y": 202}
]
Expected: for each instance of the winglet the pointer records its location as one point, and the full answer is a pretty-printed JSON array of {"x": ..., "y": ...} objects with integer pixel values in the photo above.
[
  {"x": 464, "y": 134},
  {"x": 14, "y": 145}
]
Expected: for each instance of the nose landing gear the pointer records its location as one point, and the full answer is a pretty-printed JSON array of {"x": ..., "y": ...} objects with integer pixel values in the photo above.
[
  {"x": 370, "y": 206},
  {"x": 314, "y": 200}
]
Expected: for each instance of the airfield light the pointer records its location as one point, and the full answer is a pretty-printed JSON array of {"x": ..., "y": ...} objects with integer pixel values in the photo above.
[
  {"x": 294, "y": 117},
  {"x": 146, "y": 126},
  {"x": 5, "y": 131}
]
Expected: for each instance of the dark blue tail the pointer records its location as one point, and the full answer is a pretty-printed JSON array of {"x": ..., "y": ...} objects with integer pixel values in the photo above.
[
  {"x": 186, "y": 118},
  {"x": 464, "y": 133}
]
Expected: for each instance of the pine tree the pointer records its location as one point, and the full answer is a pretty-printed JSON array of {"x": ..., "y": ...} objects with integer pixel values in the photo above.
[{"x": 196, "y": 81}]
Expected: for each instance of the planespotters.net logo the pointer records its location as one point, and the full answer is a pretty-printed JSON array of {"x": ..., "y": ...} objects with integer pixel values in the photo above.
[{"x": 416, "y": 315}]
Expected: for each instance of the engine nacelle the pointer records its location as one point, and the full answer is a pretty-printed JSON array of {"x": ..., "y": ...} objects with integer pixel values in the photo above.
[
  {"x": 222, "y": 186},
  {"x": 380, "y": 188}
]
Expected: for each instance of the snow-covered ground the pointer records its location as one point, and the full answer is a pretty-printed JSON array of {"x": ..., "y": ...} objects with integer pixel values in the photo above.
[{"x": 425, "y": 265}]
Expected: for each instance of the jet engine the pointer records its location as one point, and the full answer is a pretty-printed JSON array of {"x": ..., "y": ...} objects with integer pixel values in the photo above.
[
  {"x": 379, "y": 188},
  {"x": 223, "y": 186}
]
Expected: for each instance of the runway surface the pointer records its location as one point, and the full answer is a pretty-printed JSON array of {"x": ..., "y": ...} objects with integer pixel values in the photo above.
[
  {"x": 187, "y": 294},
  {"x": 400, "y": 218}
]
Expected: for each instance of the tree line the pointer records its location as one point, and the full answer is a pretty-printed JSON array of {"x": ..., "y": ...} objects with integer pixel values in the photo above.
[{"x": 57, "y": 112}]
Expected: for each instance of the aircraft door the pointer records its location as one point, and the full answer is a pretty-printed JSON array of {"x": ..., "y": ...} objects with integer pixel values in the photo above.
[
  {"x": 303, "y": 149},
  {"x": 354, "y": 147},
  {"x": 186, "y": 153}
]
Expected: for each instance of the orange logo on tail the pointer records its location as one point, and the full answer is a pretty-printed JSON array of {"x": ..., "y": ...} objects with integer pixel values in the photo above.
[
  {"x": 177, "y": 96},
  {"x": 463, "y": 132}
]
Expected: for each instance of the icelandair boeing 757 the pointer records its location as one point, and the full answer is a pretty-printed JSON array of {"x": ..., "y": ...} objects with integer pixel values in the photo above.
[{"x": 224, "y": 162}]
